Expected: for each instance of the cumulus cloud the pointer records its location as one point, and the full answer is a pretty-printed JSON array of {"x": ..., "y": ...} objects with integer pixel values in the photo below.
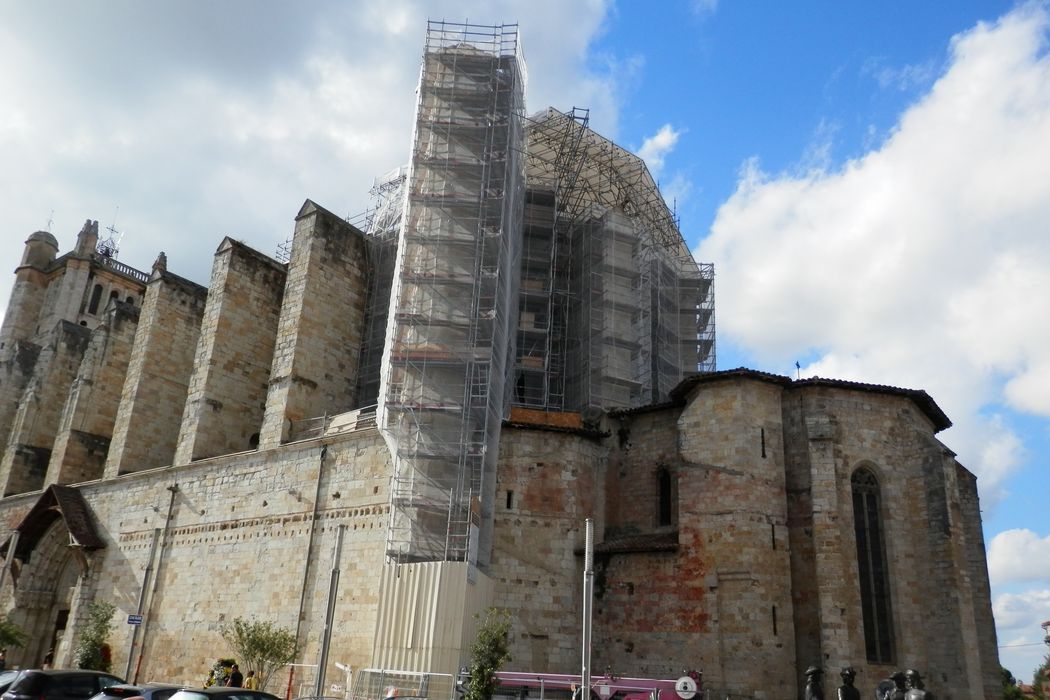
[
  {"x": 923, "y": 263},
  {"x": 1017, "y": 556},
  {"x": 1018, "y": 617},
  {"x": 205, "y": 120},
  {"x": 655, "y": 148}
]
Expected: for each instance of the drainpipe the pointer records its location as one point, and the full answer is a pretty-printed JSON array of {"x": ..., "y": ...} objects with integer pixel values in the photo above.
[
  {"x": 310, "y": 543},
  {"x": 142, "y": 599},
  {"x": 173, "y": 489}
]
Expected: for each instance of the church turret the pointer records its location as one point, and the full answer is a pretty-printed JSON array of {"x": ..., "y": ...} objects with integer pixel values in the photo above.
[
  {"x": 40, "y": 251},
  {"x": 27, "y": 295}
]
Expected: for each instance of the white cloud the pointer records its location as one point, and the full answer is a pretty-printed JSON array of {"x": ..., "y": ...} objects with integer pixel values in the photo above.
[
  {"x": 1017, "y": 619},
  {"x": 903, "y": 78},
  {"x": 205, "y": 120},
  {"x": 655, "y": 148},
  {"x": 1019, "y": 555},
  {"x": 923, "y": 263},
  {"x": 703, "y": 8},
  {"x": 677, "y": 191}
]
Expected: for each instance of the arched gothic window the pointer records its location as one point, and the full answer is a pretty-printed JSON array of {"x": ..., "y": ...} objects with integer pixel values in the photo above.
[{"x": 871, "y": 566}]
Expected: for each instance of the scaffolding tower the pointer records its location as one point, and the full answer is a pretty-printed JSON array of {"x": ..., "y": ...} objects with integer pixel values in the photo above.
[{"x": 454, "y": 294}]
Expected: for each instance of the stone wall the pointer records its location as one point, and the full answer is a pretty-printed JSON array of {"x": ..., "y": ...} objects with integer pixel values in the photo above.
[
  {"x": 66, "y": 293},
  {"x": 985, "y": 647},
  {"x": 548, "y": 483},
  {"x": 732, "y": 523},
  {"x": 640, "y": 566},
  {"x": 153, "y": 396},
  {"x": 832, "y": 431},
  {"x": 643, "y": 445},
  {"x": 249, "y": 535}
]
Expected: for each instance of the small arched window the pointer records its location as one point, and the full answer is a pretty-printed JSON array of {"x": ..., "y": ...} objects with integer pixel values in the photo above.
[
  {"x": 871, "y": 567},
  {"x": 130, "y": 300},
  {"x": 96, "y": 296}
]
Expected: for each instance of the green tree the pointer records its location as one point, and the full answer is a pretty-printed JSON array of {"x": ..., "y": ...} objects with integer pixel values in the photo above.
[
  {"x": 1011, "y": 691},
  {"x": 262, "y": 646},
  {"x": 11, "y": 635},
  {"x": 92, "y": 650},
  {"x": 1039, "y": 677},
  {"x": 488, "y": 653}
]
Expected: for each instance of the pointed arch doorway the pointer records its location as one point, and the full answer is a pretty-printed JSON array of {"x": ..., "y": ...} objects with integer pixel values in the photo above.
[{"x": 46, "y": 579}]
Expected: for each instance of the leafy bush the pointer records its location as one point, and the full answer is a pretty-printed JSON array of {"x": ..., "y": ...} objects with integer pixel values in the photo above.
[
  {"x": 488, "y": 653},
  {"x": 262, "y": 646},
  {"x": 92, "y": 650},
  {"x": 11, "y": 635}
]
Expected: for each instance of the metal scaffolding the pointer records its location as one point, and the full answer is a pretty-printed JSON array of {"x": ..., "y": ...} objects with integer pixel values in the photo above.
[
  {"x": 381, "y": 226},
  {"x": 614, "y": 310},
  {"x": 455, "y": 293},
  {"x": 576, "y": 292}
]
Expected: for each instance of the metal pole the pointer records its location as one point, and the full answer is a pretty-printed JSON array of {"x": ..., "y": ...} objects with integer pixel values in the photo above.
[
  {"x": 142, "y": 599},
  {"x": 310, "y": 541},
  {"x": 329, "y": 618},
  {"x": 173, "y": 490},
  {"x": 588, "y": 596}
]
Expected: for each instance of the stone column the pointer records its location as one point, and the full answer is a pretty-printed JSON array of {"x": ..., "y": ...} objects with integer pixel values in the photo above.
[
  {"x": 227, "y": 393},
  {"x": 315, "y": 363},
  {"x": 36, "y": 422},
  {"x": 86, "y": 427},
  {"x": 154, "y": 391}
]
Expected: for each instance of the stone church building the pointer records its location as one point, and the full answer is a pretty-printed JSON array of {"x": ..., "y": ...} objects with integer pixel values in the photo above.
[{"x": 515, "y": 339}]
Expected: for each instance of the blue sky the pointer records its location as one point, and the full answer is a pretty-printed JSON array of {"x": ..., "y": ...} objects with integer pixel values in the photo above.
[{"x": 871, "y": 180}]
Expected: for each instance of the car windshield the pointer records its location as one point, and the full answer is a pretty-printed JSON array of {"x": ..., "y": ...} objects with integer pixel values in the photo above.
[
  {"x": 29, "y": 684},
  {"x": 190, "y": 695}
]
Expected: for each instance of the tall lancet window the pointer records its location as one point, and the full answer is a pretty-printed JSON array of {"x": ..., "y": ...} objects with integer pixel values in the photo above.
[{"x": 871, "y": 565}]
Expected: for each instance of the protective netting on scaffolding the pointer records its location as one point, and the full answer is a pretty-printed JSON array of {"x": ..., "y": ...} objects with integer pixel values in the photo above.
[
  {"x": 614, "y": 309},
  {"x": 454, "y": 294},
  {"x": 381, "y": 225}
]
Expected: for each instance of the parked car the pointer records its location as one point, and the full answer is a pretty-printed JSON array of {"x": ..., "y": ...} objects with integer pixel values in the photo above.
[
  {"x": 59, "y": 685},
  {"x": 7, "y": 678},
  {"x": 221, "y": 692},
  {"x": 150, "y": 691}
]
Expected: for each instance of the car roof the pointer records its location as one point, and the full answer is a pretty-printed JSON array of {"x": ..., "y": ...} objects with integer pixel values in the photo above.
[
  {"x": 226, "y": 690},
  {"x": 64, "y": 671}
]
